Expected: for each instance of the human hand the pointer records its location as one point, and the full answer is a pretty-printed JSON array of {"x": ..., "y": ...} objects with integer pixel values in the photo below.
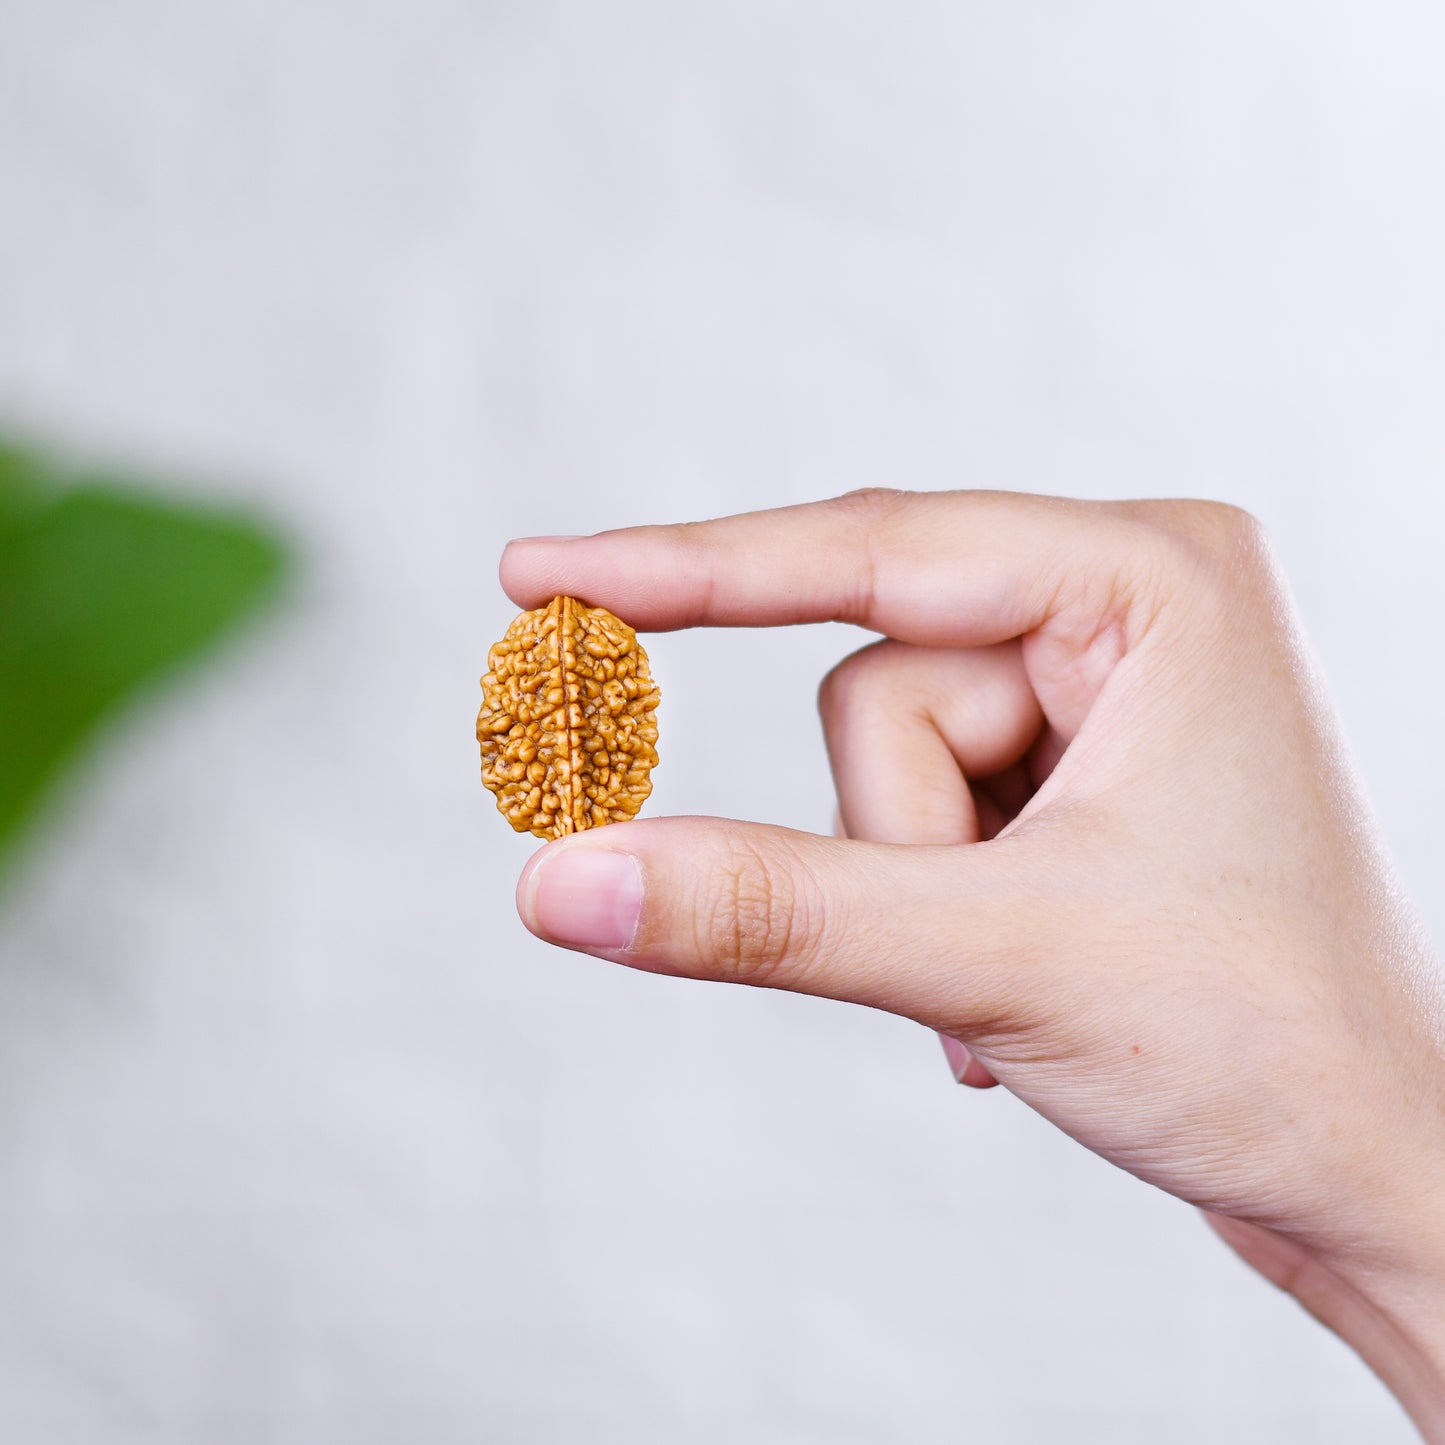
[{"x": 1102, "y": 829}]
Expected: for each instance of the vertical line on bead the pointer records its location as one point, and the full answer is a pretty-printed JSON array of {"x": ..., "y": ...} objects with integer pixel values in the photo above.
[{"x": 564, "y": 607}]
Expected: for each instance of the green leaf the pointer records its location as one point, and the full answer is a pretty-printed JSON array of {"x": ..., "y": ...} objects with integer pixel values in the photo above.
[{"x": 104, "y": 588}]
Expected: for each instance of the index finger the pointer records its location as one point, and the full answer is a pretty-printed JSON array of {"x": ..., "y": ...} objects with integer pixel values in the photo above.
[{"x": 935, "y": 568}]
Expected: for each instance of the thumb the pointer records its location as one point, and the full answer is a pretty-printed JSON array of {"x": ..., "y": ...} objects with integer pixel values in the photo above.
[{"x": 950, "y": 936}]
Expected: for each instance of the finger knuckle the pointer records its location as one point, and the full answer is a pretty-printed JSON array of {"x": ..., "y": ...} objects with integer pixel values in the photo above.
[
  {"x": 856, "y": 680},
  {"x": 874, "y": 503},
  {"x": 1205, "y": 555},
  {"x": 762, "y": 919},
  {"x": 1204, "y": 529}
]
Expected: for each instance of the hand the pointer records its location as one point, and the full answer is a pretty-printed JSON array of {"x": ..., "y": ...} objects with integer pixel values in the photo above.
[{"x": 1102, "y": 829}]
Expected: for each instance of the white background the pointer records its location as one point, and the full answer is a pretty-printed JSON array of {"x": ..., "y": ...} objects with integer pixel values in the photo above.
[{"x": 302, "y": 1137}]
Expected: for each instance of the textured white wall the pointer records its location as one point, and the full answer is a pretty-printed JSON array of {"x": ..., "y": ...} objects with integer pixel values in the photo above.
[{"x": 301, "y": 1136}]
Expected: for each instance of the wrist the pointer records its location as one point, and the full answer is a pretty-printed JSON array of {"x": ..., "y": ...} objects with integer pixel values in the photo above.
[
  {"x": 1395, "y": 1321},
  {"x": 1380, "y": 1283},
  {"x": 1389, "y": 1308}
]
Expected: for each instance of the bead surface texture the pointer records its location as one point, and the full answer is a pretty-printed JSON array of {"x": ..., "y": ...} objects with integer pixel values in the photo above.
[{"x": 568, "y": 725}]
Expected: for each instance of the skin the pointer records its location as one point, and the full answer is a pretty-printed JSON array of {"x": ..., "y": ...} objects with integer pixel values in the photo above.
[{"x": 1100, "y": 831}]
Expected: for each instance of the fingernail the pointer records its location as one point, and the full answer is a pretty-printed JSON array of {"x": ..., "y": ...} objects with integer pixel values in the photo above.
[
  {"x": 568, "y": 537},
  {"x": 958, "y": 1057},
  {"x": 586, "y": 897}
]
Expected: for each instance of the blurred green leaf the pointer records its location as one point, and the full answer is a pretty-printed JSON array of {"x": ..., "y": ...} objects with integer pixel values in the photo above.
[{"x": 104, "y": 588}]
